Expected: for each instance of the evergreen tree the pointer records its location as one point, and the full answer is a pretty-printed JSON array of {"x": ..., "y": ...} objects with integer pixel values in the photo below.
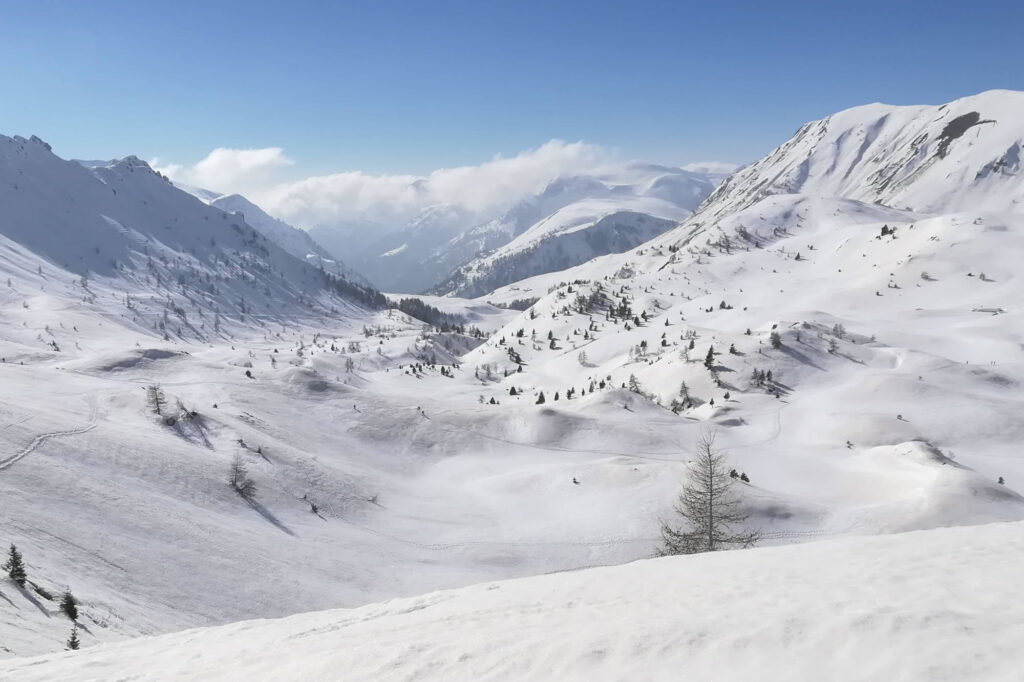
[
  {"x": 709, "y": 506},
  {"x": 709, "y": 360},
  {"x": 776, "y": 340},
  {"x": 15, "y": 567},
  {"x": 73, "y": 643},
  {"x": 540, "y": 398},
  {"x": 69, "y": 605}
]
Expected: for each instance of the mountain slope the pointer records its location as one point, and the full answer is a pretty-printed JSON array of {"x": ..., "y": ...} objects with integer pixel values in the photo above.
[
  {"x": 965, "y": 155},
  {"x": 296, "y": 242},
  {"x": 890, "y": 602},
  {"x": 573, "y": 221},
  {"x": 126, "y": 228},
  {"x": 570, "y": 236}
]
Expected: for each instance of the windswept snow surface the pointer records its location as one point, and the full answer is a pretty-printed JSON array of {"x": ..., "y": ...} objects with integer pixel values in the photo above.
[{"x": 930, "y": 605}]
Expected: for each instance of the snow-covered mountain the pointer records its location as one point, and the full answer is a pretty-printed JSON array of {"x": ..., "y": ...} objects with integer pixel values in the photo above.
[
  {"x": 931, "y": 605},
  {"x": 125, "y": 227},
  {"x": 575, "y": 220},
  {"x": 427, "y": 252},
  {"x": 965, "y": 155},
  {"x": 572, "y": 235},
  {"x": 293, "y": 240},
  {"x": 853, "y": 342}
]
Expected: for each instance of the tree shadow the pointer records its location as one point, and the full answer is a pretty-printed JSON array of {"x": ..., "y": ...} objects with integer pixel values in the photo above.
[
  {"x": 265, "y": 513},
  {"x": 27, "y": 593},
  {"x": 781, "y": 387},
  {"x": 849, "y": 357},
  {"x": 800, "y": 357}
]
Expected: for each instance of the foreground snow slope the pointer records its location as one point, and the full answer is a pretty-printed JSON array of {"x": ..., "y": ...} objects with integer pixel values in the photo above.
[{"x": 929, "y": 605}]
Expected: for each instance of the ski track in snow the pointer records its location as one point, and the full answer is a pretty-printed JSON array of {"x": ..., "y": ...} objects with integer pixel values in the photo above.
[{"x": 42, "y": 438}]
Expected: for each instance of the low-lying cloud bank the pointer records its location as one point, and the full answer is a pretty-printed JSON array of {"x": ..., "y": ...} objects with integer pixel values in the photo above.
[{"x": 484, "y": 188}]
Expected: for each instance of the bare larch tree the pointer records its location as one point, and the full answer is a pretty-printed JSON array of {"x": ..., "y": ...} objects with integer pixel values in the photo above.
[{"x": 710, "y": 506}]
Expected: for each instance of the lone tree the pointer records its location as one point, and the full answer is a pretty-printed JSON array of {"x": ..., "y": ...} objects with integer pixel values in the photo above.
[
  {"x": 15, "y": 567},
  {"x": 709, "y": 506},
  {"x": 155, "y": 398},
  {"x": 238, "y": 478},
  {"x": 69, "y": 605},
  {"x": 73, "y": 643}
]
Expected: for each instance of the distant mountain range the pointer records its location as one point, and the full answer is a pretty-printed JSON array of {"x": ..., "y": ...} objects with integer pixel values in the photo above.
[{"x": 447, "y": 249}]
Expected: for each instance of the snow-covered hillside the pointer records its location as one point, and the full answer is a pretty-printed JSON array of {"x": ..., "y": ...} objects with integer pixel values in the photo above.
[{"x": 933, "y": 605}]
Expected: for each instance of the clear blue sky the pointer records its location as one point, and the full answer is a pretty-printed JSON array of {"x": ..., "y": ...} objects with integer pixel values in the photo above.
[{"x": 409, "y": 86}]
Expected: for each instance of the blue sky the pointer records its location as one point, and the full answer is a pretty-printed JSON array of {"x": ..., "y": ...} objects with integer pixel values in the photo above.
[{"x": 405, "y": 87}]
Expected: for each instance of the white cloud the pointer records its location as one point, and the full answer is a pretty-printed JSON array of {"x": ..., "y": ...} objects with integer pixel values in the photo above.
[
  {"x": 711, "y": 167},
  {"x": 229, "y": 170},
  {"x": 483, "y": 189}
]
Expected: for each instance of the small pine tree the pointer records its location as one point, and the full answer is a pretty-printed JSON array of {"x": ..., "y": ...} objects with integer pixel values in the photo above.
[
  {"x": 776, "y": 340},
  {"x": 69, "y": 605},
  {"x": 709, "y": 360},
  {"x": 238, "y": 478},
  {"x": 73, "y": 643},
  {"x": 540, "y": 398},
  {"x": 15, "y": 566}
]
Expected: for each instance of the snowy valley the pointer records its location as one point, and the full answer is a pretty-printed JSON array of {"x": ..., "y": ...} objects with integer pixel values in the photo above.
[{"x": 845, "y": 315}]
